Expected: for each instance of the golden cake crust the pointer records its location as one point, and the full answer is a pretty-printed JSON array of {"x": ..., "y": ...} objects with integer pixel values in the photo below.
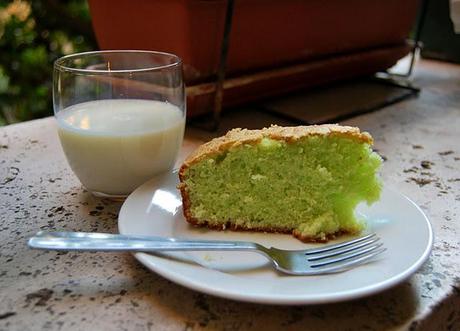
[{"x": 237, "y": 137}]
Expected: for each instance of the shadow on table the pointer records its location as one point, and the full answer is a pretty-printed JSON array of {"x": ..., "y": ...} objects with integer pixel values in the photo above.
[{"x": 391, "y": 308}]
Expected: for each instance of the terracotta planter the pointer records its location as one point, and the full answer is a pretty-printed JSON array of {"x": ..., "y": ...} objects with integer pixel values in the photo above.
[{"x": 267, "y": 35}]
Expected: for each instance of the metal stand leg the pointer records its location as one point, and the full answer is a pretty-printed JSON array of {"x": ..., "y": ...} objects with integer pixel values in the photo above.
[
  {"x": 402, "y": 80},
  {"x": 212, "y": 123},
  {"x": 222, "y": 64}
]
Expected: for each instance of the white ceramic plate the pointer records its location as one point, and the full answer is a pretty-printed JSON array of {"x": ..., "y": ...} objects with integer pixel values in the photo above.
[{"x": 155, "y": 209}]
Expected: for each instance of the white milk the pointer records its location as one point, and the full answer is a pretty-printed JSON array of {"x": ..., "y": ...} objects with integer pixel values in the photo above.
[{"x": 113, "y": 146}]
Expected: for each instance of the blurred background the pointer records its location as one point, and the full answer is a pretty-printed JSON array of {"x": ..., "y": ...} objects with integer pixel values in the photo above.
[
  {"x": 32, "y": 35},
  {"x": 35, "y": 33}
]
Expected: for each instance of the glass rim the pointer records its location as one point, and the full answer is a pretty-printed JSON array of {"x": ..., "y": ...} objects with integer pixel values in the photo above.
[{"x": 58, "y": 64}]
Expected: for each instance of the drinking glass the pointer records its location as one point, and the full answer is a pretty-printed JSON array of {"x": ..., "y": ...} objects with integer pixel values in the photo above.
[{"x": 120, "y": 116}]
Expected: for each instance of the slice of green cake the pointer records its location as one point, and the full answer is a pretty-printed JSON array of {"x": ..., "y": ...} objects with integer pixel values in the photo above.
[{"x": 304, "y": 180}]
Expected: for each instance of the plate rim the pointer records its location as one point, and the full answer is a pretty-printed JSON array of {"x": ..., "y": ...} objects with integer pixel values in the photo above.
[{"x": 149, "y": 261}]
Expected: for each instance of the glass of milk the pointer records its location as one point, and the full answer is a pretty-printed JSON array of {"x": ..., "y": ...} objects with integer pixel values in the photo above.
[{"x": 120, "y": 116}]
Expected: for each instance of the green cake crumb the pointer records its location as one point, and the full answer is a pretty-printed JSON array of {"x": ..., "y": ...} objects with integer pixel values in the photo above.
[{"x": 310, "y": 186}]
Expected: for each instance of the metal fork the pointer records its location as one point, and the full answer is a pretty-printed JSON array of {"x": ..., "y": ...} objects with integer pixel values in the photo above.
[{"x": 322, "y": 260}]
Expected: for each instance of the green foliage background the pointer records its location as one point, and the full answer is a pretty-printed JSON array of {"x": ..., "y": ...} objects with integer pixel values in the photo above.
[{"x": 34, "y": 33}]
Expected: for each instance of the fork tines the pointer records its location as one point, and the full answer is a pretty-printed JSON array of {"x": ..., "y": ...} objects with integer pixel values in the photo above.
[{"x": 344, "y": 255}]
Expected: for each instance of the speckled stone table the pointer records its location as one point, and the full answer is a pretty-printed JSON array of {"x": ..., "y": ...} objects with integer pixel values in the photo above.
[{"x": 41, "y": 290}]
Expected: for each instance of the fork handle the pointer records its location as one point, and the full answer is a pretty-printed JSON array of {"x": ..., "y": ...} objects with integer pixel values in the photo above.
[{"x": 80, "y": 241}]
